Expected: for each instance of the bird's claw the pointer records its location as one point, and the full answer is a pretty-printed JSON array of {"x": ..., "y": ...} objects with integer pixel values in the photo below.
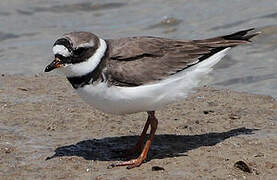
[{"x": 130, "y": 164}]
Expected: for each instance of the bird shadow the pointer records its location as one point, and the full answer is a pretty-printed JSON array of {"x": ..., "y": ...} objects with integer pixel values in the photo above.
[{"x": 164, "y": 145}]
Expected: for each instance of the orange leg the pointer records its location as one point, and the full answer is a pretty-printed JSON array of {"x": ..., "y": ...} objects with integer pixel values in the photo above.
[
  {"x": 137, "y": 162},
  {"x": 139, "y": 145}
]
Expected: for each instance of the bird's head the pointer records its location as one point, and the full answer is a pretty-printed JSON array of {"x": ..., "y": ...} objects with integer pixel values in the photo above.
[{"x": 76, "y": 53}]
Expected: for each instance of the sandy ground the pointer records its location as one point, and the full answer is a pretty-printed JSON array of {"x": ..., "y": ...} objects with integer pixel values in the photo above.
[{"x": 200, "y": 138}]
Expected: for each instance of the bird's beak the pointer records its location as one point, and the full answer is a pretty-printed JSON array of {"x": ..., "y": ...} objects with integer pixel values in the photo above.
[{"x": 53, "y": 65}]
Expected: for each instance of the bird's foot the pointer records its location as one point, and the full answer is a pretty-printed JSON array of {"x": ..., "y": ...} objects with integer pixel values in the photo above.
[{"x": 130, "y": 164}]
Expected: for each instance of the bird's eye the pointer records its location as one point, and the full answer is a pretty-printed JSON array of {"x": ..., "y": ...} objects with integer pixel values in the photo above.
[
  {"x": 64, "y": 60},
  {"x": 79, "y": 51}
]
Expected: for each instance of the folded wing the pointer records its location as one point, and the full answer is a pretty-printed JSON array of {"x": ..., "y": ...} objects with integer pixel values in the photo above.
[{"x": 140, "y": 60}]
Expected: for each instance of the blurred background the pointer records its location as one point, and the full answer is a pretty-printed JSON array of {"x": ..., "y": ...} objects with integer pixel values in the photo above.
[{"x": 28, "y": 29}]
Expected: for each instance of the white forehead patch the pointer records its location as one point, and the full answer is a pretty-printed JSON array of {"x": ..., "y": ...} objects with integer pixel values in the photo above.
[{"x": 60, "y": 49}]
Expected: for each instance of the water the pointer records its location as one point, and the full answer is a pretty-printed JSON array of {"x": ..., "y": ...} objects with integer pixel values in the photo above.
[{"x": 29, "y": 28}]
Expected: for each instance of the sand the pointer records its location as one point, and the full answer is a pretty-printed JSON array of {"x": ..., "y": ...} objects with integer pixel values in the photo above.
[{"x": 202, "y": 137}]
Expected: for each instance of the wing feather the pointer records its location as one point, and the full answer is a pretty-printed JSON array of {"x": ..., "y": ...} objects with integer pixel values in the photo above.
[{"x": 140, "y": 60}]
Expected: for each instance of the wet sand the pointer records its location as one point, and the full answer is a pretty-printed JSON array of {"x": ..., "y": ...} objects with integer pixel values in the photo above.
[{"x": 202, "y": 137}]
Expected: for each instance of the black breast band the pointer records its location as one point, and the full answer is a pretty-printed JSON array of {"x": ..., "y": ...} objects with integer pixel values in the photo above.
[{"x": 89, "y": 78}]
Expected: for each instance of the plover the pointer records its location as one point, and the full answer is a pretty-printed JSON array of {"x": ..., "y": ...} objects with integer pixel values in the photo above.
[{"x": 138, "y": 74}]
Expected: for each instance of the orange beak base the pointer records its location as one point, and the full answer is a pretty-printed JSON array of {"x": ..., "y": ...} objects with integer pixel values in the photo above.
[{"x": 53, "y": 65}]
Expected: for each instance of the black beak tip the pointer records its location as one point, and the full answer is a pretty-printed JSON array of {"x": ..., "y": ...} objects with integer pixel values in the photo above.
[
  {"x": 53, "y": 65},
  {"x": 47, "y": 69}
]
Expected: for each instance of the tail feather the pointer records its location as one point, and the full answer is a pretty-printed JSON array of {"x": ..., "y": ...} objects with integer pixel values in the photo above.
[
  {"x": 220, "y": 43},
  {"x": 244, "y": 35},
  {"x": 230, "y": 40}
]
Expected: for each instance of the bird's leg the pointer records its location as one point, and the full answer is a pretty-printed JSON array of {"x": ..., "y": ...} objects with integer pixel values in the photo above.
[
  {"x": 137, "y": 162},
  {"x": 139, "y": 145}
]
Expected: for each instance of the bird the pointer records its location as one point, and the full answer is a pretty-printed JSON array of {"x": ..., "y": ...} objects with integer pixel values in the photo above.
[{"x": 138, "y": 74}]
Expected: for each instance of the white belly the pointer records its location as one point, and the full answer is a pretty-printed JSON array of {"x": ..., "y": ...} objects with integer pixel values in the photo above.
[{"x": 126, "y": 100}]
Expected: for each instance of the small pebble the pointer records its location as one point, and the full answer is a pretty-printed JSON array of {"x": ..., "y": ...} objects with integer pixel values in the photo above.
[
  {"x": 255, "y": 172},
  {"x": 157, "y": 168},
  {"x": 208, "y": 111},
  {"x": 9, "y": 149},
  {"x": 259, "y": 155},
  {"x": 22, "y": 89},
  {"x": 234, "y": 116},
  {"x": 170, "y": 20},
  {"x": 50, "y": 128},
  {"x": 242, "y": 166}
]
